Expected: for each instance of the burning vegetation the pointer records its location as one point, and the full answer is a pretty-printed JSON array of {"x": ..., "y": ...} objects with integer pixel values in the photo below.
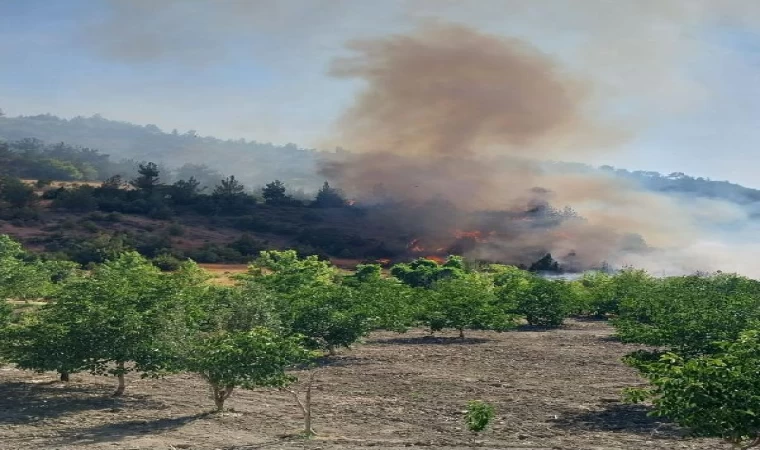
[{"x": 450, "y": 142}]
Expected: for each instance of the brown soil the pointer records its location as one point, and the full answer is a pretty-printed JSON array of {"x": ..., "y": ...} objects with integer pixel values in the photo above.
[{"x": 552, "y": 390}]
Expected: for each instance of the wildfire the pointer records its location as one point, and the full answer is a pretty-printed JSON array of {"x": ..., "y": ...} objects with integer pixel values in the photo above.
[
  {"x": 414, "y": 246},
  {"x": 475, "y": 235},
  {"x": 438, "y": 259}
]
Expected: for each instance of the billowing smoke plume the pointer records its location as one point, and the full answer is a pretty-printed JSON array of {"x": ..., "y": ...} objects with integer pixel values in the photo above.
[{"x": 454, "y": 114}]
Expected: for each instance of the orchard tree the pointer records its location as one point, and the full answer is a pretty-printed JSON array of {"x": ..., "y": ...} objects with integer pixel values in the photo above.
[
  {"x": 545, "y": 303},
  {"x": 284, "y": 272},
  {"x": 245, "y": 359},
  {"x": 119, "y": 319},
  {"x": 24, "y": 277},
  {"x": 713, "y": 396},
  {"x": 689, "y": 314},
  {"x": 424, "y": 272},
  {"x": 467, "y": 302},
  {"x": 386, "y": 303},
  {"x": 328, "y": 316}
]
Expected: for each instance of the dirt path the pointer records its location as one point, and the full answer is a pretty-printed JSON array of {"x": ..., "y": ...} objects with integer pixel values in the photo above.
[{"x": 552, "y": 390}]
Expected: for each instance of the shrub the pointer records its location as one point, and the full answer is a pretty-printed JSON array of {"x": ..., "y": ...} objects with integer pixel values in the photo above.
[
  {"x": 167, "y": 262},
  {"x": 478, "y": 416},
  {"x": 175, "y": 229}
]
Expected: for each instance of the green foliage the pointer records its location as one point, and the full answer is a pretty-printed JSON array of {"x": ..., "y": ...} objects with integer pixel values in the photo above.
[
  {"x": 478, "y": 415},
  {"x": 689, "y": 314},
  {"x": 366, "y": 273},
  {"x": 166, "y": 262},
  {"x": 25, "y": 277},
  {"x": 424, "y": 272},
  {"x": 545, "y": 303},
  {"x": 274, "y": 193},
  {"x": 285, "y": 272},
  {"x": 238, "y": 308},
  {"x": 118, "y": 319},
  {"x": 16, "y": 193},
  {"x": 714, "y": 396},
  {"x": 466, "y": 302},
  {"x": 328, "y": 315},
  {"x": 386, "y": 303},
  {"x": 328, "y": 197},
  {"x": 246, "y": 359},
  {"x": 148, "y": 179}
]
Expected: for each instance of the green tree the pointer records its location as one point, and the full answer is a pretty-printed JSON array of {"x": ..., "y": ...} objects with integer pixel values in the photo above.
[
  {"x": 184, "y": 192},
  {"x": 386, "y": 303},
  {"x": 285, "y": 272},
  {"x": 245, "y": 359},
  {"x": 274, "y": 193},
  {"x": 328, "y": 197},
  {"x": 545, "y": 303},
  {"x": 466, "y": 302},
  {"x": 423, "y": 272},
  {"x": 689, "y": 314},
  {"x": 229, "y": 187},
  {"x": 714, "y": 396},
  {"x": 16, "y": 193},
  {"x": 328, "y": 315},
  {"x": 148, "y": 179},
  {"x": 119, "y": 319}
]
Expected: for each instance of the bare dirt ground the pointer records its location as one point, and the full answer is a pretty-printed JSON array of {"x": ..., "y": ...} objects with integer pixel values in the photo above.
[{"x": 552, "y": 390}]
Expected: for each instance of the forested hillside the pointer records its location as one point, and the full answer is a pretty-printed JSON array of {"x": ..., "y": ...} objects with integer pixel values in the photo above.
[
  {"x": 252, "y": 162},
  {"x": 208, "y": 159}
]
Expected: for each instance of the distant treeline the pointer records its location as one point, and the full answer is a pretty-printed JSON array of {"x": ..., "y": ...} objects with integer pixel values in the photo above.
[{"x": 127, "y": 141}]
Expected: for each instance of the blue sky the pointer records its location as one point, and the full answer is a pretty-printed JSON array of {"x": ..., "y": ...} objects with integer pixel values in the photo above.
[{"x": 682, "y": 77}]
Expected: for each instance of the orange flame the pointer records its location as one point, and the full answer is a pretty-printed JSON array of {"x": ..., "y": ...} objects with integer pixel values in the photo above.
[
  {"x": 475, "y": 235},
  {"x": 437, "y": 259}
]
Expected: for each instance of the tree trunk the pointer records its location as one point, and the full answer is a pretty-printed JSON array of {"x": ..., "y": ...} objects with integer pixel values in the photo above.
[
  {"x": 120, "y": 376},
  {"x": 64, "y": 376},
  {"x": 461, "y": 333},
  {"x": 307, "y": 413},
  {"x": 305, "y": 406},
  {"x": 220, "y": 395},
  {"x": 331, "y": 350}
]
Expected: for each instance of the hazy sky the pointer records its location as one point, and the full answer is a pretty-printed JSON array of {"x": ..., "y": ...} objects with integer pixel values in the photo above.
[{"x": 680, "y": 78}]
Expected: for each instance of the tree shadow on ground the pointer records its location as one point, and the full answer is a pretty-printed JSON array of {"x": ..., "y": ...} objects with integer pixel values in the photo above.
[
  {"x": 618, "y": 417},
  {"x": 340, "y": 361},
  {"x": 538, "y": 328},
  {"x": 590, "y": 319},
  {"x": 430, "y": 340},
  {"x": 112, "y": 432},
  {"x": 29, "y": 402}
]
